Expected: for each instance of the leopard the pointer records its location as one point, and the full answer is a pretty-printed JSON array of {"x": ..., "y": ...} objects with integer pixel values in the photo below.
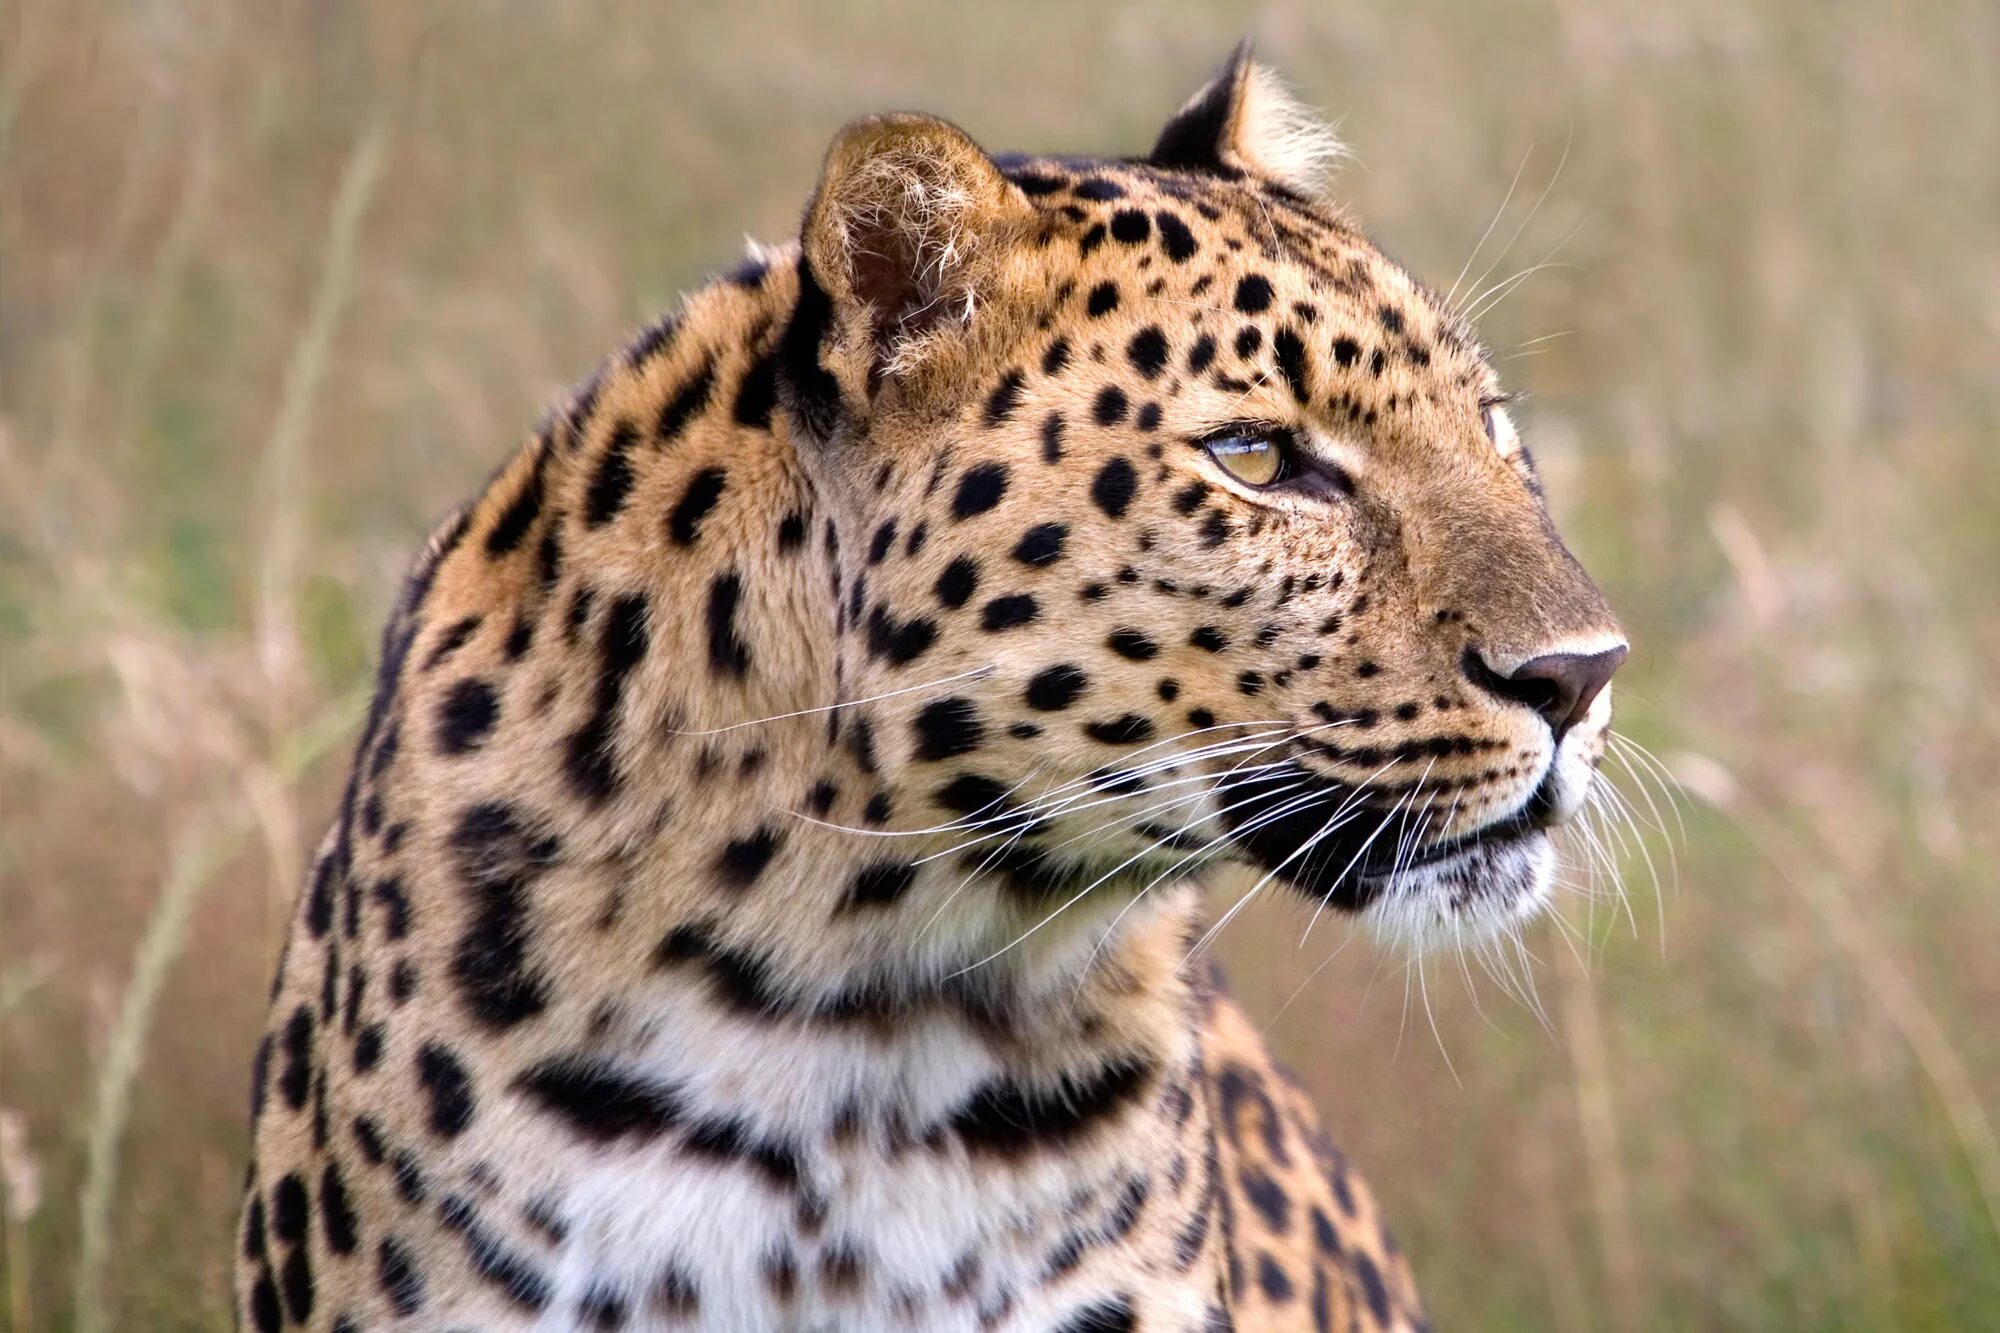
[{"x": 771, "y": 889}]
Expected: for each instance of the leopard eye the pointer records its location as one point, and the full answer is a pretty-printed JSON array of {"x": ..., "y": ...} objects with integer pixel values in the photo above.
[{"x": 1254, "y": 460}]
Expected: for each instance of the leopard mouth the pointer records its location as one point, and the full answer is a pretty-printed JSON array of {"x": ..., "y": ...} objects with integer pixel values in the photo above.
[{"x": 1350, "y": 847}]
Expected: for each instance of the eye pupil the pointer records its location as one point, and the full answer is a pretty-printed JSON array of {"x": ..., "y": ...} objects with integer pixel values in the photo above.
[{"x": 1251, "y": 460}]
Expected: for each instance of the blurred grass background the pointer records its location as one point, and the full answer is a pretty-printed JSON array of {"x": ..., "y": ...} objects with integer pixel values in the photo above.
[{"x": 280, "y": 282}]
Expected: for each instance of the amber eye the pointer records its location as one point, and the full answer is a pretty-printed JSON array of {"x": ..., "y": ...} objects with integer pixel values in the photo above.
[{"x": 1254, "y": 460}]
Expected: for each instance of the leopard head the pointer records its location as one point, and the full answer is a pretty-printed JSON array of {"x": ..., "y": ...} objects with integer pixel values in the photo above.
[{"x": 1180, "y": 526}]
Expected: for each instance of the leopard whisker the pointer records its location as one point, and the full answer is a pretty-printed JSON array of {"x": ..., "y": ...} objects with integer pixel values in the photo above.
[{"x": 976, "y": 673}]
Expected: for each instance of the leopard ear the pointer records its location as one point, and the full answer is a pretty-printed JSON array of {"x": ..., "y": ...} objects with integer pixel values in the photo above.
[
  {"x": 900, "y": 238},
  {"x": 1244, "y": 120}
]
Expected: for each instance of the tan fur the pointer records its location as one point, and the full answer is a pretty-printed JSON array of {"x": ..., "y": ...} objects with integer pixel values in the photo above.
[{"x": 668, "y": 964}]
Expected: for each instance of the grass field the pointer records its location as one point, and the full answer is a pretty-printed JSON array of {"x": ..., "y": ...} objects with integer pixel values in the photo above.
[{"x": 280, "y": 282}]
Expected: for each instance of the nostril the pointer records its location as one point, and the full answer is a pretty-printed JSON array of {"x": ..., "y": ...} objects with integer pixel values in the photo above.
[{"x": 1559, "y": 686}]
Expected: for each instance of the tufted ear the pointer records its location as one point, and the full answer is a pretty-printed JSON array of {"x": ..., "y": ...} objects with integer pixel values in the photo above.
[
  {"x": 1245, "y": 120},
  {"x": 899, "y": 239}
]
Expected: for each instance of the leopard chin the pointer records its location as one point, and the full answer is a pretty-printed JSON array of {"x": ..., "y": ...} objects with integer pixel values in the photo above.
[{"x": 1483, "y": 891}]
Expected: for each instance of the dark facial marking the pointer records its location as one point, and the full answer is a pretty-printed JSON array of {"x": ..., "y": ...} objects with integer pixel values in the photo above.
[
  {"x": 1113, "y": 487},
  {"x": 1132, "y": 645},
  {"x": 743, "y": 859},
  {"x": 1130, "y": 227},
  {"x": 1253, "y": 294},
  {"x": 1055, "y": 688},
  {"x": 1110, "y": 406},
  {"x": 1148, "y": 351},
  {"x": 1042, "y": 544},
  {"x": 958, "y": 581},
  {"x": 1001, "y": 402},
  {"x": 946, "y": 728},
  {"x": 979, "y": 490},
  {"x": 1010, "y": 612}
]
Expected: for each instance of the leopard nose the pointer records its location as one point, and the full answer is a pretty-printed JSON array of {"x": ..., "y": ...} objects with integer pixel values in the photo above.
[{"x": 1559, "y": 686}]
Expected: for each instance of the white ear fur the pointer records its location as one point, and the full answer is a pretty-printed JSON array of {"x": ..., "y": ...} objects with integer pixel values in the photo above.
[
  {"x": 906, "y": 206},
  {"x": 1245, "y": 119},
  {"x": 1279, "y": 137}
]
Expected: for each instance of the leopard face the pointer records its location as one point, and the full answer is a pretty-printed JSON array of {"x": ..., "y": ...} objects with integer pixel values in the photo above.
[{"x": 1191, "y": 528}]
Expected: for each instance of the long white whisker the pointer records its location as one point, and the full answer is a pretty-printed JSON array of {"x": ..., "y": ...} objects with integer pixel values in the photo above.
[{"x": 973, "y": 674}]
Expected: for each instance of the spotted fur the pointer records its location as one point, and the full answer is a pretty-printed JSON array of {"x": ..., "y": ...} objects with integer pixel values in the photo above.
[{"x": 765, "y": 890}]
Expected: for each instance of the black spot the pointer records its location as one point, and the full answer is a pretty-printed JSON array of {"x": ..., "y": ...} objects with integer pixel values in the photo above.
[
  {"x": 1292, "y": 362},
  {"x": 1133, "y": 645},
  {"x": 1277, "y": 1287},
  {"x": 1174, "y": 234},
  {"x": 703, "y": 490},
  {"x": 1392, "y": 318},
  {"x": 812, "y": 392},
  {"x": 652, "y": 342},
  {"x": 1253, "y": 294},
  {"x": 335, "y": 1212},
  {"x": 297, "y": 1284},
  {"x": 1052, "y": 438},
  {"x": 295, "y": 1082},
  {"x": 466, "y": 716},
  {"x": 1346, "y": 352},
  {"x": 682, "y": 407},
  {"x": 1103, "y": 300},
  {"x": 758, "y": 393},
  {"x": 1149, "y": 420},
  {"x": 979, "y": 490},
  {"x": 1190, "y": 497},
  {"x": 497, "y": 860},
  {"x": 743, "y": 859},
  {"x": 266, "y": 1315},
  {"x": 589, "y": 757},
  {"x": 879, "y": 544},
  {"x": 511, "y": 528},
  {"x": 880, "y": 884},
  {"x": 1098, "y": 189},
  {"x": 599, "y": 1101},
  {"x": 401, "y": 1281},
  {"x": 1010, "y": 611},
  {"x": 1201, "y": 355},
  {"x": 290, "y": 1205},
  {"x": 1056, "y": 358},
  {"x": 603, "y": 1309},
  {"x": 1037, "y": 183},
  {"x": 1209, "y": 637},
  {"x": 1114, "y": 486},
  {"x": 1148, "y": 351},
  {"x": 368, "y": 1048},
  {"x": 449, "y": 1088},
  {"x": 1110, "y": 406},
  {"x": 946, "y": 728},
  {"x": 1055, "y": 688},
  {"x": 958, "y": 582},
  {"x": 734, "y": 1141},
  {"x": 1130, "y": 227},
  {"x": 1130, "y": 729},
  {"x": 1042, "y": 544},
  {"x": 1007, "y": 1118},
  {"x": 1005, "y": 397},
  {"x": 896, "y": 642},
  {"x": 1112, "y": 1315},
  {"x": 972, "y": 794},
  {"x": 727, "y": 653},
  {"x": 612, "y": 481}
]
